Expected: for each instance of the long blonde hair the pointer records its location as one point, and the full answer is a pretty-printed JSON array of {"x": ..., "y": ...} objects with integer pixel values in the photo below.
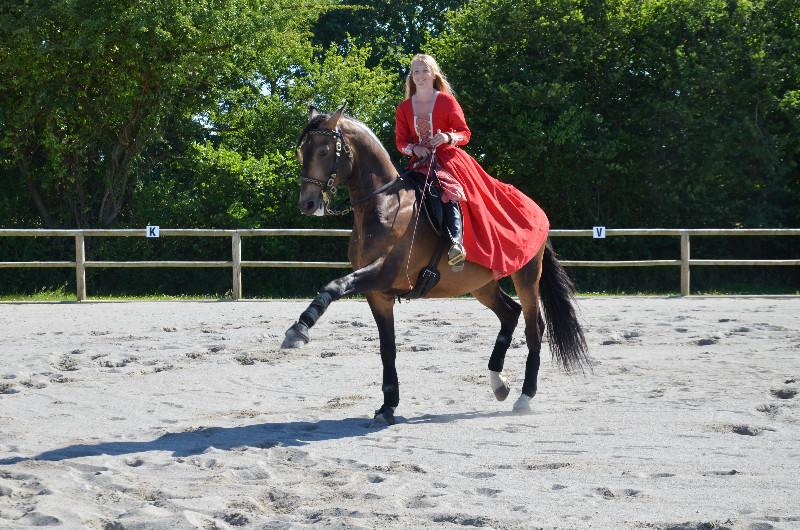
[{"x": 439, "y": 80}]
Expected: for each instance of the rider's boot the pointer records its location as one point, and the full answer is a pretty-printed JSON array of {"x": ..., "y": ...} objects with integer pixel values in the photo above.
[{"x": 456, "y": 256}]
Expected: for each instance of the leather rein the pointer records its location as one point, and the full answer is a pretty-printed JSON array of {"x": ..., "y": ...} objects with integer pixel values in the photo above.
[{"x": 329, "y": 186}]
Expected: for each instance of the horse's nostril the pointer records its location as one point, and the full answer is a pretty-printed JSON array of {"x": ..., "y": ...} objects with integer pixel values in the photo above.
[{"x": 309, "y": 206}]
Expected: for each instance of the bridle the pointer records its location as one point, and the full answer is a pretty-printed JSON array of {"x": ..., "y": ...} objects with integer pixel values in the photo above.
[{"x": 329, "y": 186}]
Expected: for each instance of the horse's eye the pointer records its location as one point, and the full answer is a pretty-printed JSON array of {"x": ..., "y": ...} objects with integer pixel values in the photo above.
[{"x": 323, "y": 151}]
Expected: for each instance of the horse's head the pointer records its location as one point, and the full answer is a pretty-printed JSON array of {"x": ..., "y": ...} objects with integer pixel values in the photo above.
[{"x": 326, "y": 158}]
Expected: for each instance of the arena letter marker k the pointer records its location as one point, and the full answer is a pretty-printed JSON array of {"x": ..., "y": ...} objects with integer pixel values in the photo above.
[{"x": 152, "y": 231}]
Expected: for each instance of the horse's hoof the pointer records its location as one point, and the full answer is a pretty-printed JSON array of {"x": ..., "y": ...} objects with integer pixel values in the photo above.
[
  {"x": 502, "y": 393},
  {"x": 383, "y": 416},
  {"x": 500, "y": 386},
  {"x": 523, "y": 404},
  {"x": 294, "y": 338}
]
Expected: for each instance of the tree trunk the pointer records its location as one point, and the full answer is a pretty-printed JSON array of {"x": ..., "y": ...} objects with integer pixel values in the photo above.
[
  {"x": 130, "y": 141},
  {"x": 33, "y": 188}
]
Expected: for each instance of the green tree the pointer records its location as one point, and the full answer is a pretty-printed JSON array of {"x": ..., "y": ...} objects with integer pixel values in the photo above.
[
  {"x": 393, "y": 29},
  {"x": 257, "y": 121},
  {"x": 242, "y": 171},
  {"x": 87, "y": 86},
  {"x": 629, "y": 113}
]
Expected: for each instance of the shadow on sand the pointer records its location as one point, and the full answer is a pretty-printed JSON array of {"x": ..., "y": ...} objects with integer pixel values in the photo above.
[{"x": 262, "y": 435}]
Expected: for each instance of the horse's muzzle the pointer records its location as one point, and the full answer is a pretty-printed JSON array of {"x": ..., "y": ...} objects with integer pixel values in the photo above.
[{"x": 310, "y": 206}]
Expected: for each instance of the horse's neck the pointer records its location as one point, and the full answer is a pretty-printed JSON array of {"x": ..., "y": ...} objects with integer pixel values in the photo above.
[
  {"x": 373, "y": 168},
  {"x": 378, "y": 213},
  {"x": 372, "y": 155}
]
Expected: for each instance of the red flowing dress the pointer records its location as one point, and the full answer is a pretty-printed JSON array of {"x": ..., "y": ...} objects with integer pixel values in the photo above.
[{"x": 503, "y": 228}]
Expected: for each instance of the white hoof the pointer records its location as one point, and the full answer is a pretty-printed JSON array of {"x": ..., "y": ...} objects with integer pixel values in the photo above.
[
  {"x": 500, "y": 386},
  {"x": 383, "y": 416},
  {"x": 523, "y": 404}
]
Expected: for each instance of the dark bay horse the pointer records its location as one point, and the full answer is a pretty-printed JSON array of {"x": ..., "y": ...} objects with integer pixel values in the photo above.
[{"x": 336, "y": 150}]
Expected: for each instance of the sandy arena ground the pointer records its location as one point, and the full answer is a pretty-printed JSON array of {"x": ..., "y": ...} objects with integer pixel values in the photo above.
[{"x": 187, "y": 415}]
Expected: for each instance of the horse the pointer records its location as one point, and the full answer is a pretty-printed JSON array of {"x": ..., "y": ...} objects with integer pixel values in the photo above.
[{"x": 389, "y": 245}]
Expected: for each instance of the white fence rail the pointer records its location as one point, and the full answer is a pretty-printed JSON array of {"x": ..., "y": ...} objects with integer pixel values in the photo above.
[{"x": 236, "y": 263}]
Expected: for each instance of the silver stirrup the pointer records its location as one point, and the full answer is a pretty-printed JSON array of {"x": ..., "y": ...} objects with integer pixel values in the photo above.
[{"x": 456, "y": 257}]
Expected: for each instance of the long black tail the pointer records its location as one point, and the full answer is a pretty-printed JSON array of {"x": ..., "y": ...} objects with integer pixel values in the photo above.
[{"x": 567, "y": 343}]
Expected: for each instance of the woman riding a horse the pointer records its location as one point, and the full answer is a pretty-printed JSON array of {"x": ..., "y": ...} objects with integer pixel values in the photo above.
[{"x": 504, "y": 231}]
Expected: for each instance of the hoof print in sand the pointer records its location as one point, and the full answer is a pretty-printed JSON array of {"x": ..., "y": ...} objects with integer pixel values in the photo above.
[
  {"x": 244, "y": 359},
  {"x": 344, "y": 402},
  {"x": 488, "y": 492},
  {"x": 234, "y": 519},
  {"x": 770, "y": 409},
  {"x": 606, "y": 493},
  {"x": 118, "y": 364},
  {"x": 548, "y": 466},
  {"x": 477, "y": 474},
  {"x": 707, "y": 341},
  {"x": 66, "y": 364},
  {"x": 784, "y": 393},
  {"x": 464, "y": 520},
  {"x": 745, "y": 430},
  {"x": 420, "y": 502},
  {"x": 399, "y": 467},
  {"x": 8, "y": 388}
]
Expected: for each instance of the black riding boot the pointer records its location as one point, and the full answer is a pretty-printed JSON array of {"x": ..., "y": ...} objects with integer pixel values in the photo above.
[{"x": 456, "y": 256}]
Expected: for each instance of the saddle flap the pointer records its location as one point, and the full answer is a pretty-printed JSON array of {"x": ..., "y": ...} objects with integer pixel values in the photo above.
[{"x": 427, "y": 280}]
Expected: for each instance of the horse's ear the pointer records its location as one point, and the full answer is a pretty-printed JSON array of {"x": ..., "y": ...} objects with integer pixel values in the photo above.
[
  {"x": 312, "y": 112},
  {"x": 333, "y": 121}
]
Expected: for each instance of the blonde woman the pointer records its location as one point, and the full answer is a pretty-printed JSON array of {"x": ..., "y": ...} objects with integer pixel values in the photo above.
[{"x": 489, "y": 222}]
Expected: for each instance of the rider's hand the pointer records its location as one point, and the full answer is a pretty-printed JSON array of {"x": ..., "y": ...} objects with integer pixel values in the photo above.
[
  {"x": 420, "y": 151},
  {"x": 440, "y": 138}
]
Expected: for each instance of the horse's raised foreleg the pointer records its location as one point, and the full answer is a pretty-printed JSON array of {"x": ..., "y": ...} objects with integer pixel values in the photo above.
[
  {"x": 382, "y": 306},
  {"x": 507, "y": 310},
  {"x": 360, "y": 281},
  {"x": 526, "y": 282}
]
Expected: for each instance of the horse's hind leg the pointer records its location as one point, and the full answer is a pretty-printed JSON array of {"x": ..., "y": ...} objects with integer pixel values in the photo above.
[
  {"x": 382, "y": 306},
  {"x": 526, "y": 282},
  {"x": 507, "y": 310}
]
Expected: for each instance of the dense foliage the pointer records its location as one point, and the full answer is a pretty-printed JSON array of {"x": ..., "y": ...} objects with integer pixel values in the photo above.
[
  {"x": 395, "y": 29},
  {"x": 660, "y": 113},
  {"x": 623, "y": 113}
]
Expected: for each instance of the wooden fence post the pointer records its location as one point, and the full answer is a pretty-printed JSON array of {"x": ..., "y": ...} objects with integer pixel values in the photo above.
[
  {"x": 685, "y": 277},
  {"x": 236, "y": 248},
  {"x": 80, "y": 268}
]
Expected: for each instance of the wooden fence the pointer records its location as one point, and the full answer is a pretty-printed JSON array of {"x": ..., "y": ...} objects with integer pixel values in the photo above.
[{"x": 236, "y": 264}]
